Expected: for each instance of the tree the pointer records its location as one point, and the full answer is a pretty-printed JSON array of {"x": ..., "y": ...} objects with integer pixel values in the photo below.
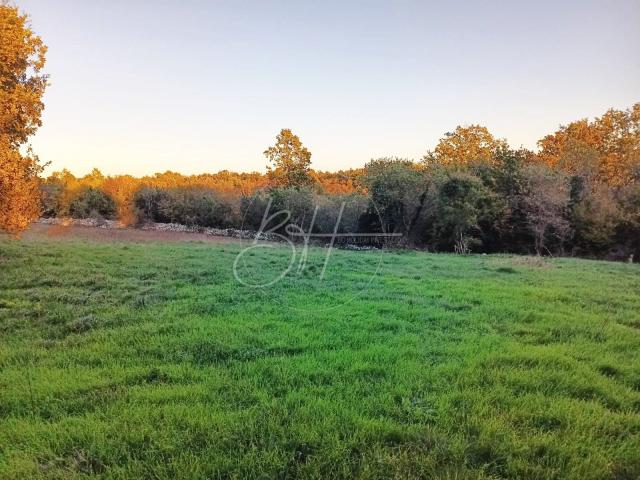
[
  {"x": 580, "y": 159},
  {"x": 147, "y": 204},
  {"x": 595, "y": 216},
  {"x": 396, "y": 187},
  {"x": 340, "y": 182},
  {"x": 609, "y": 146},
  {"x": 19, "y": 189},
  {"x": 461, "y": 203},
  {"x": 289, "y": 161},
  {"x": 329, "y": 208},
  {"x": 22, "y": 57},
  {"x": 193, "y": 206},
  {"x": 544, "y": 200},
  {"x": 628, "y": 234},
  {"x": 93, "y": 203},
  {"x": 51, "y": 191},
  {"x": 122, "y": 189},
  {"x": 505, "y": 178},
  {"x": 297, "y": 202},
  {"x": 463, "y": 146}
]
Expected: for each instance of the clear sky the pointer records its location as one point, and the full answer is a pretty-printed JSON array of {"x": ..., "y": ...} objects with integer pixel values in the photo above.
[{"x": 199, "y": 86}]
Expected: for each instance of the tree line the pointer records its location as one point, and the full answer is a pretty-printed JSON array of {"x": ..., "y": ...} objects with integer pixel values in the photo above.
[{"x": 578, "y": 195}]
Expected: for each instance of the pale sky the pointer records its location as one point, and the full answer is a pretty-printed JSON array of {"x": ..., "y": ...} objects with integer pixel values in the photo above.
[{"x": 201, "y": 86}]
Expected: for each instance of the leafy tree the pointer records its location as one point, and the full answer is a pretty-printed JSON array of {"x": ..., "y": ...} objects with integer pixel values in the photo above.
[
  {"x": 505, "y": 178},
  {"x": 544, "y": 200},
  {"x": 289, "y": 161},
  {"x": 396, "y": 187},
  {"x": 462, "y": 202},
  {"x": 628, "y": 230},
  {"x": 298, "y": 202},
  {"x": 253, "y": 208},
  {"x": 51, "y": 195},
  {"x": 340, "y": 182},
  {"x": 609, "y": 146},
  {"x": 22, "y": 84},
  {"x": 594, "y": 214},
  {"x": 122, "y": 189},
  {"x": 580, "y": 159},
  {"x": 329, "y": 206},
  {"x": 193, "y": 206},
  {"x": 463, "y": 146},
  {"x": 147, "y": 205},
  {"x": 93, "y": 203}
]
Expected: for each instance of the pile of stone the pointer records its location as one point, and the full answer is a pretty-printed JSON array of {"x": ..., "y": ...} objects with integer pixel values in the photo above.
[
  {"x": 344, "y": 243},
  {"x": 82, "y": 222},
  {"x": 161, "y": 227},
  {"x": 219, "y": 232}
]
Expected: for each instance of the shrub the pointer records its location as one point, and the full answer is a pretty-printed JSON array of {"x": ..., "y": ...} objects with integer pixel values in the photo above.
[
  {"x": 188, "y": 206},
  {"x": 545, "y": 201},
  {"x": 92, "y": 203},
  {"x": 463, "y": 203},
  {"x": 628, "y": 230},
  {"x": 396, "y": 187},
  {"x": 297, "y": 202},
  {"x": 594, "y": 216},
  {"x": 301, "y": 205},
  {"x": 355, "y": 206},
  {"x": 51, "y": 196}
]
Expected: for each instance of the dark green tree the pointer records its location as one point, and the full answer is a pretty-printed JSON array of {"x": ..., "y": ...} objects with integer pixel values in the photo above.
[{"x": 92, "y": 203}]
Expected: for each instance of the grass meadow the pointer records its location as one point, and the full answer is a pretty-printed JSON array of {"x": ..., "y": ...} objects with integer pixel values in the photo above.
[{"x": 150, "y": 360}]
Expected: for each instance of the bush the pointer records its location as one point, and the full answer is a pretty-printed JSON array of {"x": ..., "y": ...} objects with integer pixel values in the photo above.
[
  {"x": 545, "y": 202},
  {"x": 301, "y": 204},
  {"x": 188, "y": 206},
  {"x": 594, "y": 216},
  {"x": 146, "y": 203},
  {"x": 397, "y": 191},
  {"x": 628, "y": 230},
  {"x": 355, "y": 207},
  {"x": 51, "y": 195},
  {"x": 297, "y": 202},
  {"x": 92, "y": 203},
  {"x": 463, "y": 204},
  {"x": 252, "y": 210}
]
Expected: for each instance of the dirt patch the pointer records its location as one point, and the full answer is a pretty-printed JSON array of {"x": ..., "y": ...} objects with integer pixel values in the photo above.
[{"x": 53, "y": 231}]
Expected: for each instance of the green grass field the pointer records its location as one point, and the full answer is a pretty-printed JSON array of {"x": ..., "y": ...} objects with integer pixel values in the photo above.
[{"x": 149, "y": 360}]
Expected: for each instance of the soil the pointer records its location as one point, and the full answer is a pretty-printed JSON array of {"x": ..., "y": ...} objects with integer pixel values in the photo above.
[{"x": 122, "y": 234}]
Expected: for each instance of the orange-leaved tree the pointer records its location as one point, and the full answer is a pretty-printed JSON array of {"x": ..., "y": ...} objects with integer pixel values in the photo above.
[
  {"x": 607, "y": 147},
  {"x": 122, "y": 189},
  {"x": 289, "y": 161},
  {"x": 473, "y": 143},
  {"x": 22, "y": 84}
]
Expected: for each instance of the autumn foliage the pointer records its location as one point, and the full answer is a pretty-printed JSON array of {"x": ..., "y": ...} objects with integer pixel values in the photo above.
[
  {"x": 61, "y": 188},
  {"x": 19, "y": 189},
  {"x": 473, "y": 143},
  {"x": 289, "y": 161},
  {"x": 22, "y": 84},
  {"x": 580, "y": 194},
  {"x": 607, "y": 148}
]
